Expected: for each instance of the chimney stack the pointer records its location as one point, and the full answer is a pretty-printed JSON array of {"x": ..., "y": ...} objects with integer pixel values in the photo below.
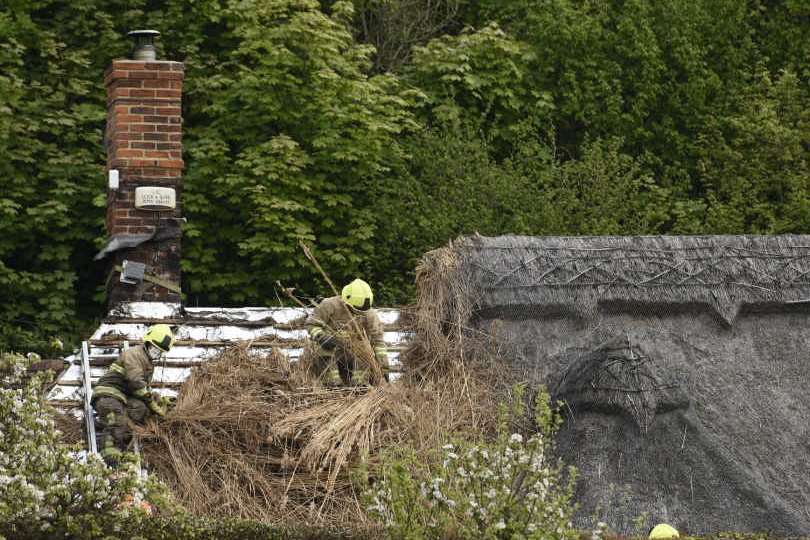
[{"x": 145, "y": 166}]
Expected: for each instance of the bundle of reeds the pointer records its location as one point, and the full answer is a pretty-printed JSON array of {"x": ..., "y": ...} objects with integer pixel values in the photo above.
[
  {"x": 256, "y": 437},
  {"x": 261, "y": 438}
]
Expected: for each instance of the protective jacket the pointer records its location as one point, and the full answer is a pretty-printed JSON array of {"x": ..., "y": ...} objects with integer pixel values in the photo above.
[
  {"x": 129, "y": 375},
  {"x": 334, "y": 317}
]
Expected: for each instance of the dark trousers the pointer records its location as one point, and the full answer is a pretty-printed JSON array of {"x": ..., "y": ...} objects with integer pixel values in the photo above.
[
  {"x": 114, "y": 434},
  {"x": 344, "y": 360}
]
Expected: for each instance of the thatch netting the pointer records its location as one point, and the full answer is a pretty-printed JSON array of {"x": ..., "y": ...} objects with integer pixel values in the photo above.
[
  {"x": 682, "y": 360},
  {"x": 618, "y": 378}
]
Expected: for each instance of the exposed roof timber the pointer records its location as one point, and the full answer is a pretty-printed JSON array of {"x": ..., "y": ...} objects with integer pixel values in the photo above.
[
  {"x": 210, "y": 322},
  {"x": 109, "y": 360},
  {"x": 155, "y": 311},
  {"x": 202, "y": 334}
]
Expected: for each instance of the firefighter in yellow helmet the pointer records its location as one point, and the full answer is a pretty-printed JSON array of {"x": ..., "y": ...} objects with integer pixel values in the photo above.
[
  {"x": 335, "y": 320},
  {"x": 123, "y": 392},
  {"x": 662, "y": 531}
]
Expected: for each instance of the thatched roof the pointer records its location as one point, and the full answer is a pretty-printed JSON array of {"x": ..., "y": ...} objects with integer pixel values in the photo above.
[
  {"x": 670, "y": 416},
  {"x": 576, "y": 274}
]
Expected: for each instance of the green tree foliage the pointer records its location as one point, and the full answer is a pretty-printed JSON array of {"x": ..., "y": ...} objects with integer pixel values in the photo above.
[
  {"x": 755, "y": 160},
  {"x": 452, "y": 186},
  {"x": 293, "y": 137},
  {"x": 394, "y": 28},
  {"x": 52, "y": 114},
  {"x": 480, "y": 79},
  {"x": 645, "y": 71},
  {"x": 496, "y": 116},
  {"x": 781, "y": 34}
]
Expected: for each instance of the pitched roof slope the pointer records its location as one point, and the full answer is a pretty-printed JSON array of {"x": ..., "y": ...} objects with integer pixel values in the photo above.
[{"x": 202, "y": 333}]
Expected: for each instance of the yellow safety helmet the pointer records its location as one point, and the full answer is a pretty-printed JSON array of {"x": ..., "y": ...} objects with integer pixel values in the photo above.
[
  {"x": 662, "y": 531},
  {"x": 160, "y": 335},
  {"x": 358, "y": 295}
]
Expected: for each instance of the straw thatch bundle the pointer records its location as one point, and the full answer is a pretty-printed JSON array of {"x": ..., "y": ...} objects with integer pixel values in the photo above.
[
  {"x": 445, "y": 344},
  {"x": 259, "y": 437},
  {"x": 71, "y": 429},
  {"x": 256, "y": 437}
]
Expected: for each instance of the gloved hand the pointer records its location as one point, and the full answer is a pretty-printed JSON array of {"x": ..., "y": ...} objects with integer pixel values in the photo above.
[
  {"x": 158, "y": 407},
  {"x": 328, "y": 342}
]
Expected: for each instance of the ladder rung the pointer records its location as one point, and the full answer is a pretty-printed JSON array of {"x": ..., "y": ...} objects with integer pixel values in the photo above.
[{"x": 97, "y": 356}]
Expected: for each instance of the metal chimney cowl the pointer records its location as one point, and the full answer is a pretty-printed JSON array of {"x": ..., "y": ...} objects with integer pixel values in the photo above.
[{"x": 144, "y": 45}]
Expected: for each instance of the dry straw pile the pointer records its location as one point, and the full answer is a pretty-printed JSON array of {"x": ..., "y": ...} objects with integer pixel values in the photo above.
[
  {"x": 259, "y": 437},
  {"x": 254, "y": 436}
]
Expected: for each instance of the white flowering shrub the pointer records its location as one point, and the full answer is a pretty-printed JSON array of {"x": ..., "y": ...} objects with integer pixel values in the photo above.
[
  {"x": 510, "y": 488},
  {"x": 46, "y": 489}
]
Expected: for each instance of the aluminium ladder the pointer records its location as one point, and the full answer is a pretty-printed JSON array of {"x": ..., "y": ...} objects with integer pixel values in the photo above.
[
  {"x": 87, "y": 391},
  {"x": 89, "y": 423}
]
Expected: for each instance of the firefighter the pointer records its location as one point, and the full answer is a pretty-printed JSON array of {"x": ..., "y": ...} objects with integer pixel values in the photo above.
[
  {"x": 335, "y": 320},
  {"x": 662, "y": 531},
  {"x": 123, "y": 393}
]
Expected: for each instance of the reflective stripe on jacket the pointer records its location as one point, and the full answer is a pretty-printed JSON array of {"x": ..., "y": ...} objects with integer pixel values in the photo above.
[
  {"x": 334, "y": 316},
  {"x": 129, "y": 375}
]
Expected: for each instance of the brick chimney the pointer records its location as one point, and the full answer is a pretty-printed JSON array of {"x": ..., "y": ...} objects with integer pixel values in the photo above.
[{"x": 144, "y": 158}]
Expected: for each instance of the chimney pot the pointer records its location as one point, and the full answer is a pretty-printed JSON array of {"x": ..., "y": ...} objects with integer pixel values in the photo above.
[{"x": 144, "y": 45}]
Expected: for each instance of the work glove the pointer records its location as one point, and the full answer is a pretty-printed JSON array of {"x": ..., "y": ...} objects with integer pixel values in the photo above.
[
  {"x": 327, "y": 342},
  {"x": 158, "y": 407}
]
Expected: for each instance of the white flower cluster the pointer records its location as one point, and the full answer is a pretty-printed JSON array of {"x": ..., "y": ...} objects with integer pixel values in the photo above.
[
  {"x": 41, "y": 481},
  {"x": 598, "y": 533},
  {"x": 507, "y": 489}
]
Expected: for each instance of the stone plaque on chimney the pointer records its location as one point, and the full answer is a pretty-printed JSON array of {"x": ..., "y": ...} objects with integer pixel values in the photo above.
[{"x": 154, "y": 198}]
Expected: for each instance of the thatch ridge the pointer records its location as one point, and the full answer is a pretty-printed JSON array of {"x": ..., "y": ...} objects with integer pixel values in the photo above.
[{"x": 577, "y": 274}]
